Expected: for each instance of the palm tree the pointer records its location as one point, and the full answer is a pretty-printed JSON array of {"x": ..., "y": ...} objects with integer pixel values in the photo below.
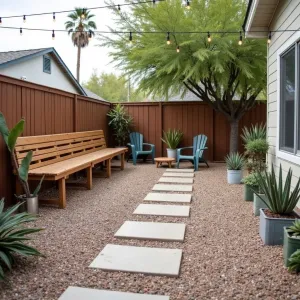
[{"x": 81, "y": 29}]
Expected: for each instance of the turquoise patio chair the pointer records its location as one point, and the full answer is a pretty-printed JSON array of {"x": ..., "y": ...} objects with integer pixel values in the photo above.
[
  {"x": 199, "y": 142},
  {"x": 137, "y": 147}
]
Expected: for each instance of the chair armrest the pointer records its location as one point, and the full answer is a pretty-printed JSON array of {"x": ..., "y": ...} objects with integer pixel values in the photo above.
[
  {"x": 132, "y": 146},
  {"x": 147, "y": 144},
  {"x": 179, "y": 149}
]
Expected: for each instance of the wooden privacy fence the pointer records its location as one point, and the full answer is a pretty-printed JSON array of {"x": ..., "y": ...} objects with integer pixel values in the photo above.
[{"x": 49, "y": 111}]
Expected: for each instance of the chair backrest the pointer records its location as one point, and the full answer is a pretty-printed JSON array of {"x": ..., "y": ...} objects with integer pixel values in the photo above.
[
  {"x": 49, "y": 149},
  {"x": 199, "y": 142},
  {"x": 137, "y": 140}
]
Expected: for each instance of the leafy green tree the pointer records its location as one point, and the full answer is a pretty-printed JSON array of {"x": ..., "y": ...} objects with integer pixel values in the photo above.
[
  {"x": 111, "y": 87},
  {"x": 81, "y": 27},
  {"x": 217, "y": 71}
]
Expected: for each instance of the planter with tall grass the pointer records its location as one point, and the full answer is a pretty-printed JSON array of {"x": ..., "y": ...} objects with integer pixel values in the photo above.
[
  {"x": 280, "y": 202},
  {"x": 234, "y": 163},
  {"x": 172, "y": 138}
]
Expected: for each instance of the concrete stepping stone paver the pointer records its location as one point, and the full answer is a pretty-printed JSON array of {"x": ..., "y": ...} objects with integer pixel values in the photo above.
[
  {"x": 172, "y": 188},
  {"x": 176, "y": 180},
  {"x": 79, "y": 293},
  {"x": 163, "y": 197},
  {"x": 152, "y": 231},
  {"x": 185, "y": 175},
  {"x": 155, "y": 261},
  {"x": 162, "y": 210},
  {"x": 180, "y": 170}
]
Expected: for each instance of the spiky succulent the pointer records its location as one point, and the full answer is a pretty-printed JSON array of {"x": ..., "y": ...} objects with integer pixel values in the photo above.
[
  {"x": 234, "y": 161},
  {"x": 255, "y": 132},
  {"x": 294, "y": 262},
  {"x": 295, "y": 228}
]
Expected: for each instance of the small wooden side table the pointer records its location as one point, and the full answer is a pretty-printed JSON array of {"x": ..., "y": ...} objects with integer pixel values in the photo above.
[{"x": 160, "y": 160}]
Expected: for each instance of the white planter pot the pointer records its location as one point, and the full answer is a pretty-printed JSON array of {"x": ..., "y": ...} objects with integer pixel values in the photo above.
[
  {"x": 234, "y": 176},
  {"x": 171, "y": 153}
]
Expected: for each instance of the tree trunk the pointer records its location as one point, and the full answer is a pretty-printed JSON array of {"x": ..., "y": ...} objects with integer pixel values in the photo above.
[
  {"x": 234, "y": 136},
  {"x": 78, "y": 63}
]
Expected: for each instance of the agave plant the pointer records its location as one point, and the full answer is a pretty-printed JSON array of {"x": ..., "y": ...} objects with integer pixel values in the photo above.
[
  {"x": 279, "y": 198},
  {"x": 253, "y": 133},
  {"x": 10, "y": 138},
  {"x": 294, "y": 262},
  {"x": 13, "y": 235},
  {"x": 294, "y": 230},
  {"x": 234, "y": 161},
  {"x": 172, "y": 138}
]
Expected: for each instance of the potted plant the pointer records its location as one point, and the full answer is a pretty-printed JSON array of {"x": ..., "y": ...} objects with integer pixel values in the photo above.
[
  {"x": 13, "y": 235},
  {"x": 259, "y": 201},
  {"x": 250, "y": 185},
  {"x": 10, "y": 138},
  {"x": 254, "y": 133},
  {"x": 291, "y": 241},
  {"x": 120, "y": 122},
  {"x": 280, "y": 202},
  {"x": 294, "y": 262},
  {"x": 234, "y": 163},
  {"x": 172, "y": 139}
]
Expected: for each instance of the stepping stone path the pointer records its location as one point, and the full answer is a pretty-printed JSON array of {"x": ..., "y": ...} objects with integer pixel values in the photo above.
[
  {"x": 155, "y": 261},
  {"x": 180, "y": 170},
  {"x": 78, "y": 293},
  {"x": 152, "y": 231},
  {"x": 172, "y": 188},
  {"x": 162, "y": 210},
  {"x": 146, "y": 260},
  {"x": 176, "y": 180},
  {"x": 185, "y": 175},
  {"x": 163, "y": 197}
]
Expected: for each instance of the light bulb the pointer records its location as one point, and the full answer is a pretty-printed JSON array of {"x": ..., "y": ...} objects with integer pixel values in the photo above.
[
  {"x": 90, "y": 35},
  {"x": 130, "y": 38},
  {"x": 54, "y": 17},
  {"x": 21, "y": 31},
  {"x": 241, "y": 39},
  {"x": 0, "y": 20},
  {"x": 269, "y": 38},
  {"x": 53, "y": 35},
  {"x": 178, "y": 49},
  {"x": 188, "y": 4},
  {"x": 24, "y": 19},
  {"x": 208, "y": 37},
  {"x": 168, "y": 39}
]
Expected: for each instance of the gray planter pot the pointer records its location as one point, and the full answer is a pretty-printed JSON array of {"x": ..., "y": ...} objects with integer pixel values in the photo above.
[
  {"x": 290, "y": 245},
  {"x": 31, "y": 205},
  {"x": 234, "y": 176},
  {"x": 258, "y": 204},
  {"x": 271, "y": 229}
]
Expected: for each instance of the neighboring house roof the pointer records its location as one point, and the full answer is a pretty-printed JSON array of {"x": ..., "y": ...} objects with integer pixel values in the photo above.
[
  {"x": 258, "y": 17},
  {"x": 93, "y": 95},
  {"x": 189, "y": 96},
  {"x": 15, "y": 57}
]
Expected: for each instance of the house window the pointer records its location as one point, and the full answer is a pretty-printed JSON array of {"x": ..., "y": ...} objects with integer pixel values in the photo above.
[{"x": 46, "y": 64}]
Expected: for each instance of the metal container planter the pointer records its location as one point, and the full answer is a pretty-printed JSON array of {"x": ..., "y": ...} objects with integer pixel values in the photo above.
[
  {"x": 248, "y": 192},
  {"x": 172, "y": 153},
  {"x": 271, "y": 229},
  {"x": 31, "y": 204},
  {"x": 290, "y": 245},
  {"x": 234, "y": 176},
  {"x": 258, "y": 203}
]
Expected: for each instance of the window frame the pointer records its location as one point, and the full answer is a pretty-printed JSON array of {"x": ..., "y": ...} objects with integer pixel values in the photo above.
[
  {"x": 294, "y": 157},
  {"x": 44, "y": 69}
]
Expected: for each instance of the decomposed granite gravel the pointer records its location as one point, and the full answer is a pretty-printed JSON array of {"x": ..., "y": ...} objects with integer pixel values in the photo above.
[{"x": 223, "y": 256}]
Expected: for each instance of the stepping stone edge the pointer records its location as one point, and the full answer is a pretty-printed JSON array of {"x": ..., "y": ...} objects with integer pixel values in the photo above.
[
  {"x": 164, "y": 197},
  {"x": 163, "y": 210}
]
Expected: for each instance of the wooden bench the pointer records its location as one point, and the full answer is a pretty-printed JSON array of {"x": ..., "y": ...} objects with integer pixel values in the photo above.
[{"x": 59, "y": 155}]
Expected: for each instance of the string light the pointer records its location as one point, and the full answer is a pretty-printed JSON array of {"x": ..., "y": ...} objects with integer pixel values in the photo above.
[
  {"x": 168, "y": 38},
  {"x": 53, "y": 35},
  {"x": 130, "y": 38},
  {"x": 269, "y": 37},
  {"x": 178, "y": 49},
  {"x": 153, "y": 2},
  {"x": 90, "y": 34},
  {"x": 54, "y": 17},
  {"x": 208, "y": 37},
  {"x": 24, "y": 19},
  {"x": 119, "y": 7},
  {"x": 241, "y": 39},
  {"x": 83, "y": 13},
  {"x": 0, "y": 20},
  {"x": 21, "y": 31},
  {"x": 188, "y": 4}
]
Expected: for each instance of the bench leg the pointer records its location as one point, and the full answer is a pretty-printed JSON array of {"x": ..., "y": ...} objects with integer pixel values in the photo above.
[
  {"x": 89, "y": 178},
  {"x": 108, "y": 168},
  {"x": 122, "y": 161},
  {"x": 62, "y": 192}
]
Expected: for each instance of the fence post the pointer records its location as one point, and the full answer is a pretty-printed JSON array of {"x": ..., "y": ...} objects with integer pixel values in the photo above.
[
  {"x": 160, "y": 128},
  {"x": 75, "y": 114}
]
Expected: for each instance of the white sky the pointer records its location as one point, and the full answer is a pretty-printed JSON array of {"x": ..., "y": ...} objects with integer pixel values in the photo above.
[{"x": 91, "y": 57}]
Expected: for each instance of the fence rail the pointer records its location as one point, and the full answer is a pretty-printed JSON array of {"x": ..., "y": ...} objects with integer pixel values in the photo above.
[{"x": 49, "y": 111}]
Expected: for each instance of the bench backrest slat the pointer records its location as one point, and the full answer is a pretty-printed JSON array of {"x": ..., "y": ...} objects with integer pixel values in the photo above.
[{"x": 49, "y": 149}]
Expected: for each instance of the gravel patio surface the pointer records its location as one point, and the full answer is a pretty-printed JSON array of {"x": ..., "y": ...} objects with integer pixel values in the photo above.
[{"x": 223, "y": 256}]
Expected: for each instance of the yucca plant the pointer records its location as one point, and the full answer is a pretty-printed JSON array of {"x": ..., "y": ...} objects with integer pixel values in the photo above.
[
  {"x": 294, "y": 262},
  {"x": 294, "y": 230},
  {"x": 234, "y": 161},
  {"x": 13, "y": 235},
  {"x": 172, "y": 138},
  {"x": 10, "y": 138},
  {"x": 279, "y": 197},
  {"x": 255, "y": 132}
]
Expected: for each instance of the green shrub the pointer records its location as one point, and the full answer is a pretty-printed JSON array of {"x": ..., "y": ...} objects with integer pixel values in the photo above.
[
  {"x": 250, "y": 180},
  {"x": 294, "y": 230},
  {"x": 259, "y": 146},
  {"x": 279, "y": 198},
  {"x": 234, "y": 161},
  {"x": 13, "y": 235},
  {"x": 294, "y": 262},
  {"x": 172, "y": 138},
  {"x": 254, "y": 133}
]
